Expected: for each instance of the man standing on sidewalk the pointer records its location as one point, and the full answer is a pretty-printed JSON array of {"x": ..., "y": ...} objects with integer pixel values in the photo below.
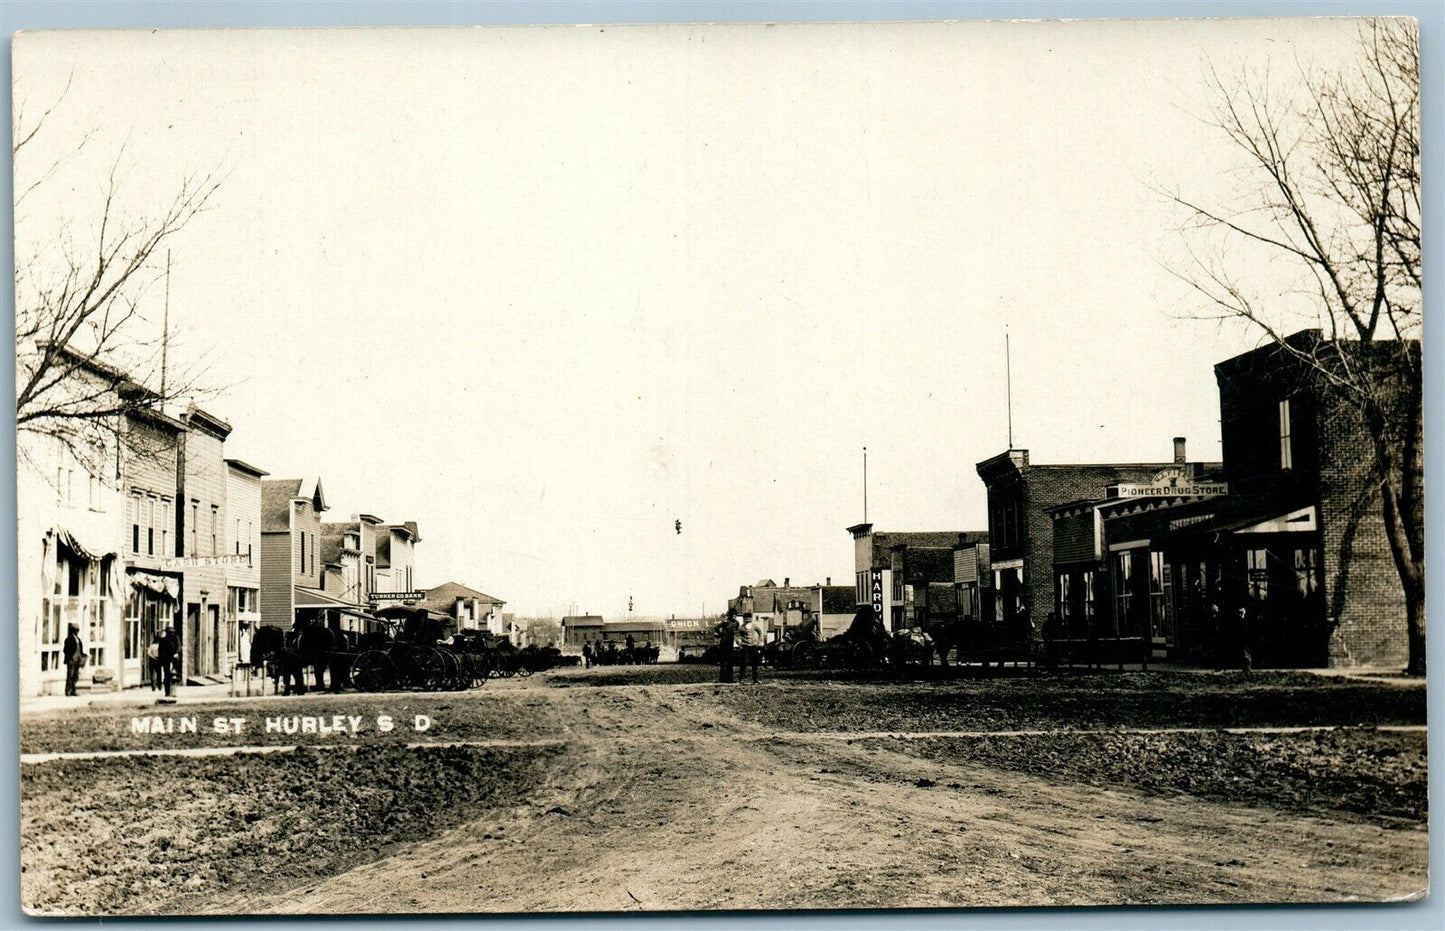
[
  {"x": 74, "y": 655},
  {"x": 169, "y": 654}
]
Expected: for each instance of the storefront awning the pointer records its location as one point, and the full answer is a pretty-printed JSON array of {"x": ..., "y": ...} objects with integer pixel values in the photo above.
[
  {"x": 86, "y": 547},
  {"x": 316, "y": 600},
  {"x": 1303, "y": 520},
  {"x": 158, "y": 584}
]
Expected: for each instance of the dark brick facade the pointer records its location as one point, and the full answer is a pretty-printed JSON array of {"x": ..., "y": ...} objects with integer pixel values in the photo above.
[{"x": 1332, "y": 469}]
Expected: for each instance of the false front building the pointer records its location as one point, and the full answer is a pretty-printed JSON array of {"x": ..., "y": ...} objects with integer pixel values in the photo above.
[{"x": 896, "y": 571}]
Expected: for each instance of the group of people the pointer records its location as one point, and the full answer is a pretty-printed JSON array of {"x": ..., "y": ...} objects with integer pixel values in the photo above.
[
  {"x": 740, "y": 639},
  {"x": 607, "y": 654}
]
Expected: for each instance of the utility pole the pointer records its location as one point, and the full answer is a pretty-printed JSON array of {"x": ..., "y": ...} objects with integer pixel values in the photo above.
[{"x": 166, "y": 327}]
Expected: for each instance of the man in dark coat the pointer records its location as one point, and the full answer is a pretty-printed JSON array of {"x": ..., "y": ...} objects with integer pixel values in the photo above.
[
  {"x": 169, "y": 654},
  {"x": 727, "y": 633},
  {"x": 74, "y": 656},
  {"x": 340, "y": 658}
]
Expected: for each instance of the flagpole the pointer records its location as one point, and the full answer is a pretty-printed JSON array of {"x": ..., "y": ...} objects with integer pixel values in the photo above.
[{"x": 1008, "y": 387}]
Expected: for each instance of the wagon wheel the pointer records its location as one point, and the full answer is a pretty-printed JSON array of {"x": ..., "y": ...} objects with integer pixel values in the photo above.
[
  {"x": 464, "y": 671},
  {"x": 806, "y": 656},
  {"x": 474, "y": 670},
  {"x": 481, "y": 669},
  {"x": 523, "y": 669},
  {"x": 373, "y": 671},
  {"x": 430, "y": 669},
  {"x": 416, "y": 667},
  {"x": 451, "y": 670},
  {"x": 861, "y": 656}
]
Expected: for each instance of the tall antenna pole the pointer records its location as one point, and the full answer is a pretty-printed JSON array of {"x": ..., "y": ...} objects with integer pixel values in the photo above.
[
  {"x": 166, "y": 327},
  {"x": 865, "y": 484},
  {"x": 1008, "y": 387}
]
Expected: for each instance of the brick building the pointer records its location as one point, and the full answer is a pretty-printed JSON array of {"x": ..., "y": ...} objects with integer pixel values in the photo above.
[
  {"x": 1281, "y": 547},
  {"x": 1295, "y": 450},
  {"x": 1020, "y": 527}
]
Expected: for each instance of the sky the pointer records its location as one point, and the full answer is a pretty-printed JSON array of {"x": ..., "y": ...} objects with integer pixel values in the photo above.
[{"x": 547, "y": 290}]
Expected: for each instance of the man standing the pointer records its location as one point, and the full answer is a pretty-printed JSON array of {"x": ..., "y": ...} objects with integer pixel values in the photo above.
[
  {"x": 727, "y": 632},
  {"x": 752, "y": 636},
  {"x": 169, "y": 654},
  {"x": 586, "y": 655},
  {"x": 74, "y": 655}
]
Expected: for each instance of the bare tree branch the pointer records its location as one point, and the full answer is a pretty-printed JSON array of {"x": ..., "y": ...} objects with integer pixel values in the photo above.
[{"x": 1335, "y": 175}]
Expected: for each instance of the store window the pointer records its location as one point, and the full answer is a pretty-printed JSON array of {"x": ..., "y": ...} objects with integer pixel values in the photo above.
[
  {"x": 1161, "y": 595},
  {"x": 1307, "y": 571},
  {"x": 1257, "y": 564},
  {"x": 1123, "y": 591},
  {"x": 1286, "y": 450}
]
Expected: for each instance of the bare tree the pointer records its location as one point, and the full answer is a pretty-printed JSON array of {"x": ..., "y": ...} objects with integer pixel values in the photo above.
[
  {"x": 1332, "y": 180},
  {"x": 89, "y": 363}
]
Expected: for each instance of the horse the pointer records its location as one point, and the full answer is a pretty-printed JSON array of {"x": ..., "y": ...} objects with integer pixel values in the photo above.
[
  {"x": 278, "y": 660},
  {"x": 912, "y": 646},
  {"x": 950, "y": 633},
  {"x": 866, "y": 637}
]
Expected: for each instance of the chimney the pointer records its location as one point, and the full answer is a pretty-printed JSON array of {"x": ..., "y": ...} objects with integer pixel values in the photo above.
[
  {"x": 786, "y": 580},
  {"x": 828, "y": 581},
  {"x": 1179, "y": 457}
]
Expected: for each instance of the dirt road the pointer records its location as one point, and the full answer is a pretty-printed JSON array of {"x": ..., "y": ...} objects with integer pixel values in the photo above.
[{"x": 665, "y": 801}]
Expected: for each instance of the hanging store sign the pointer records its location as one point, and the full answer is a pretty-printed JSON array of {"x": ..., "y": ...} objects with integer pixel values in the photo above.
[
  {"x": 200, "y": 562},
  {"x": 875, "y": 591}
]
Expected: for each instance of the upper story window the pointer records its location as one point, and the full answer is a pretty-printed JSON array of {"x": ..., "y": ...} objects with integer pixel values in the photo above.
[
  {"x": 1286, "y": 448},
  {"x": 149, "y": 520},
  {"x": 215, "y": 530}
]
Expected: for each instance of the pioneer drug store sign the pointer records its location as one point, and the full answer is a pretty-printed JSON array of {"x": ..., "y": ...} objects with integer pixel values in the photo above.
[{"x": 1171, "y": 483}]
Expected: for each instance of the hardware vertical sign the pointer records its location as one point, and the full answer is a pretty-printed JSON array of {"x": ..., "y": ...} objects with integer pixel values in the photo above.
[{"x": 875, "y": 593}]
